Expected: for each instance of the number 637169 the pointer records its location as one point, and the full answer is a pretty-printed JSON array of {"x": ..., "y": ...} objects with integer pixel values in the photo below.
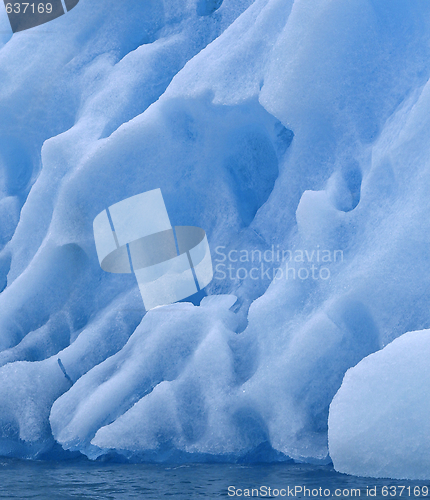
[{"x": 33, "y": 8}]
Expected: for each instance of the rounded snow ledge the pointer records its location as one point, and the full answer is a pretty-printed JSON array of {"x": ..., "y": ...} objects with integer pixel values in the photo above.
[{"x": 379, "y": 423}]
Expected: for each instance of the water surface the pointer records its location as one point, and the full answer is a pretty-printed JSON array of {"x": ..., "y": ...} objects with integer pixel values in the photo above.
[{"x": 110, "y": 481}]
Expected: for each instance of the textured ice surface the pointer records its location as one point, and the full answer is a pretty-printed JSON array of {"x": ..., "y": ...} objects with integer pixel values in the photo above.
[
  {"x": 298, "y": 125},
  {"x": 379, "y": 420},
  {"x": 172, "y": 378}
]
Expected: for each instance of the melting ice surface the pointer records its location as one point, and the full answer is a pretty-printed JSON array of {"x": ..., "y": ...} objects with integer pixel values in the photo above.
[
  {"x": 272, "y": 124},
  {"x": 377, "y": 413}
]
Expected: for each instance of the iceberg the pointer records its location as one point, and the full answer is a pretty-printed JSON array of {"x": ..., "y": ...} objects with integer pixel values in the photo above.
[{"x": 296, "y": 135}]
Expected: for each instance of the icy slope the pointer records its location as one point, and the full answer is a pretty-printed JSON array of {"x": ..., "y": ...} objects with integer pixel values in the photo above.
[{"x": 296, "y": 125}]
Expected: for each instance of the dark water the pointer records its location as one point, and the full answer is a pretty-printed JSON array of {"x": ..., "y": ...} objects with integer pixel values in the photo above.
[{"x": 72, "y": 480}]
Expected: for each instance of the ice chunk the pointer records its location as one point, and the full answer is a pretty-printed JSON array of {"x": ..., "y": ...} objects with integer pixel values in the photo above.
[
  {"x": 379, "y": 419},
  {"x": 165, "y": 346},
  {"x": 26, "y": 395},
  {"x": 300, "y": 369},
  {"x": 29, "y": 389}
]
